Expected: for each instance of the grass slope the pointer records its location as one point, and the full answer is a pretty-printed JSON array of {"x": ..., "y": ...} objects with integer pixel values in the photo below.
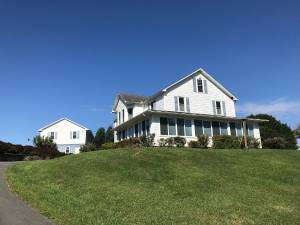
[{"x": 160, "y": 186}]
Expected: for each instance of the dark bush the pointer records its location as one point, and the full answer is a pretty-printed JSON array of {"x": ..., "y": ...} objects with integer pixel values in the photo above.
[
  {"x": 226, "y": 142},
  {"x": 147, "y": 141},
  {"x": 107, "y": 146},
  {"x": 88, "y": 148},
  {"x": 275, "y": 143},
  {"x": 162, "y": 142},
  {"x": 23, "y": 151},
  {"x": 194, "y": 144},
  {"x": 170, "y": 142},
  {"x": 179, "y": 142},
  {"x": 251, "y": 141}
]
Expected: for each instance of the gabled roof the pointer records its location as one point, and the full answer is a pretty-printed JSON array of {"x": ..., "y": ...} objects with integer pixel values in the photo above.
[
  {"x": 129, "y": 99},
  {"x": 205, "y": 74},
  {"x": 57, "y": 121},
  {"x": 132, "y": 99}
]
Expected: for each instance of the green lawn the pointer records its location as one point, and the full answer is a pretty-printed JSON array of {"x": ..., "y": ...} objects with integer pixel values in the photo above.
[{"x": 164, "y": 186}]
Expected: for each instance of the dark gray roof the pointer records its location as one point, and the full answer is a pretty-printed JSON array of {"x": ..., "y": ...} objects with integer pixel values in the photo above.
[{"x": 131, "y": 99}]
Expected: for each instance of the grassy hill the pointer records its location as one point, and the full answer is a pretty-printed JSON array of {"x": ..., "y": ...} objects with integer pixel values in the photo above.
[{"x": 164, "y": 186}]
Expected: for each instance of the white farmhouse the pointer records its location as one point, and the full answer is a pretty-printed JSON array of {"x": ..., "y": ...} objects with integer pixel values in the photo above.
[
  {"x": 197, "y": 104},
  {"x": 67, "y": 135}
]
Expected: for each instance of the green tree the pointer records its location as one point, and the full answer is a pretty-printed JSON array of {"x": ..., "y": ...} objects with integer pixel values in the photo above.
[
  {"x": 109, "y": 136},
  {"x": 276, "y": 129},
  {"x": 43, "y": 142},
  {"x": 297, "y": 132},
  {"x": 99, "y": 137}
]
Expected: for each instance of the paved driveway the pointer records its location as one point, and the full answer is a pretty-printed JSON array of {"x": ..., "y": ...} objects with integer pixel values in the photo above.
[{"x": 12, "y": 210}]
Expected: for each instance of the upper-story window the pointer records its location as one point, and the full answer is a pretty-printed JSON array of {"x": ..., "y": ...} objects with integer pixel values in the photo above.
[
  {"x": 181, "y": 104},
  {"x": 119, "y": 118},
  {"x": 200, "y": 85},
  {"x": 218, "y": 108},
  {"x": 52, "y": 135},
  {"x": 74, "y": 135},
  {"x": 123, "y": 115}
]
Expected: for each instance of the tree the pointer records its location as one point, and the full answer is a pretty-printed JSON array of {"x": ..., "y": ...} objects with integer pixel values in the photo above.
[
  {"x": 297, "y": 132},
  {"x": 275, "y": 129},
  {"x": 109, "y": 136},
  {"x": 43, "y": 142},
  {"x": 89, "y": 137},
  {"x": 99, "y": 137}
]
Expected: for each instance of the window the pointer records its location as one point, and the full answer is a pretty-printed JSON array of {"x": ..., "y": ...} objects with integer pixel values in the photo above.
[
  {"x": 180, "y": 127},
  {"x": 123, "y": 134},
  {"x": 198, "y": 127},
  {"x": 200, "y": 85},
  {"x": 152, "y": 105},
  {"x": 181, "y": 104},
  {"x": 224, "y": 130},
  {"x": 163, "y": 126},
  {"x": 119, "y": 118},
  {"x": 239, "y": 129},
  {"x": 123, "y": 115},
  {"x": 74, "y": 135},
  {"x": 188, "y": 127},
  {"x": 216, "y": 128},
  {"x": 119, "y": 136},
  {"x": 68, "y": 150},
  {"x": 250, "y": 130},
  {"x": 207, "y": 128},
  {"x": 147, "y": 127},
  {"x": 140, "y": 129},
  {"x": 172, "y": 126},
  {"x": 52, "y": 135},
  {"x": 136, "y": 130},
  {"x": 232, "y": 129},
  {"x": 218, "y": 107},
  {"x": 144, "y": 127}
]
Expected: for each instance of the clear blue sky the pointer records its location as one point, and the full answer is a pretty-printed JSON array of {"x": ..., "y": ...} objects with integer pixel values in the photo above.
[{"x": 70, "y": 58}]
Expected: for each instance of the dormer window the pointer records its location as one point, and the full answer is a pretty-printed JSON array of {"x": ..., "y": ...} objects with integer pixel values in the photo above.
[{"x": 200, "y": 85}]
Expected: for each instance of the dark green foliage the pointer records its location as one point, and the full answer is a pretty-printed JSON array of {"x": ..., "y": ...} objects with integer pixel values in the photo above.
[
  {"x": 251, "y": 142},
  {"x": 179, "y": 142},
  {"x": 88, "y": 148},
  {"x": 109, "y": 135},
  {"x": 99, "y": 137},
  {"x": 43, "y": 142},
  {"x": 89, "y": 137},
  {"x": 162, "y": 142},
  {"x": 202, "y": 142},
  {"x": 107, "y": 146},
  {"x": 275, "y": 143},
  {"x": 19, "y": 152},
  {"x": 147, "y": 141},
  {"x": 170, "y": 142},
  {"x": 297, "y": 132},
  {"x": 274, "y": 128},
  {"x": 226, "y": 142}
]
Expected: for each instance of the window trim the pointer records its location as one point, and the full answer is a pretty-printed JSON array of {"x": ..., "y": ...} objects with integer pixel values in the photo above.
[
  {"x": 221, "y": 110},
  {"x": 184, "y": 104}
]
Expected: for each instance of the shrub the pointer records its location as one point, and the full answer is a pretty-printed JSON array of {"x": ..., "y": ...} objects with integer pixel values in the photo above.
[
  {"x": 193, "y": 144},
  {"x": 226, "y": 142},
  {"x": 107, "y": 146},
  {"x": 162, "y": 142},
  {"x": 42, "y": 142},
  {"x": 275, "y": 143},
  {"x": 170, "y": 142},
  {"x": 147, "y": 141},
  {"x": 88, "y": 148},
  {"x": 179, "y": 142},
  {"x": 251, "y": 141},
  {"x": 203, "y": 141}
]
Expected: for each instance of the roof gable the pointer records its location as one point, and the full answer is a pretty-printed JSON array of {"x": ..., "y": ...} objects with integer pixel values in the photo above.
[
  {"x": 129, "y": 99},
  {"x": 57, "y": 121},
  {"x": 207, "y": 76}
]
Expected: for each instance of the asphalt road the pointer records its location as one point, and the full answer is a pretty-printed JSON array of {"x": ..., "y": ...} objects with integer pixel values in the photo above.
[{"x": 14, "y": 211}]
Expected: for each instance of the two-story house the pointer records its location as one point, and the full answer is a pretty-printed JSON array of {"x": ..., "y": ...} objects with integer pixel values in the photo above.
[
  {"x": 194, "y": 105},
  {"x": 68, "y": 135}
]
